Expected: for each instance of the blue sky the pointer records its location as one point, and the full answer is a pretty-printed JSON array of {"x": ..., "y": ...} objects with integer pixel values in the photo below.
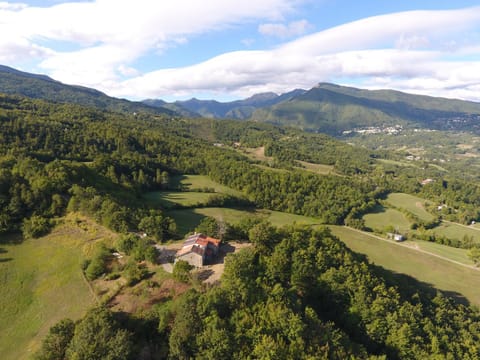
[{"x": 227, "y": 49}]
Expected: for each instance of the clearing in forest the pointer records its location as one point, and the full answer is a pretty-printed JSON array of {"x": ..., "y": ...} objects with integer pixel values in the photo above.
[{"x": 411, "y": 203}]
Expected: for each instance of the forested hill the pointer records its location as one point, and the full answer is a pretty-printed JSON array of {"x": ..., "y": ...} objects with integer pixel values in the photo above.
[
  {"x": 333, "y": 109},
  {"x": 295, "y": 293},
  {"x": 35, "y": 86}
]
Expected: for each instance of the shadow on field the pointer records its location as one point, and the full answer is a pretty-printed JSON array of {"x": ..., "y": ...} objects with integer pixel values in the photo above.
[
  {"x": 11, "y": 239},
  {"x": 411, "y": 286},
  {"x": 186, "y": 219}
]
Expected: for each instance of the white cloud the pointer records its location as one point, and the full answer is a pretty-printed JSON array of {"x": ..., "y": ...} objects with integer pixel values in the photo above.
[
  {"x": 283, "y": 31},
  {"x": 111, "y": 34},
  {"x": 403, "y": 51},
  {"x": 419, "y": 51}
]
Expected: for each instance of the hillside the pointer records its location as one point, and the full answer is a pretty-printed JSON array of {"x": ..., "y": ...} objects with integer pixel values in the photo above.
[
  {"x": 35, "y": 86},
  {"x": 333, "y": 109}
]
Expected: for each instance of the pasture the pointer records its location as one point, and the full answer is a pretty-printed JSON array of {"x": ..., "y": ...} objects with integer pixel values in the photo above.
[
  {"x": 170, "y": 199},
  {"x": 188, "y": 219},
  {"x": 382, "y": 217},
  {"x": 41, "y": 282},
  {"x": 411, "y": 203},
  {"x": 454, "y": 279},
  {"x": 196, "y": 182},
  {"x": 197, "y": 189},
  {"x": 457, "y": 231},
  {"x": 317, "y": 168}
]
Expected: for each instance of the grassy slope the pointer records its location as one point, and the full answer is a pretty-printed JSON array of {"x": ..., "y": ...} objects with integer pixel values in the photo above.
[
  {"x": 383, "y": 217},
  {"x": 168, "y": 199},
  {"x": 437, "y": 272},
  {"x": 41, "y": 283},
  {"x": 317, "y": 168},
  {"x": 458, "y": 231},
  {"x": 192, "y": 182},
  {"x": 411, "y": 203},
  {"x": 188, "y": 219}
]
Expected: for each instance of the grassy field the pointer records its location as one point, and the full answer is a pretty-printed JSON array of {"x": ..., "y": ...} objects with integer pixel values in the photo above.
[
  {"x": 398, "y": 163},
  {"x": 317, "y": 168},
  {"x": 188, "y": 219},
  {"x": 257, "y": 154},
  {"x": 452, "y": 253},
  {"x": 456, "y": 280},
  {"x": 382, "y": 217},
  {"x": 169, "y": 199},
  {"x": 411, "y": 203},
  {"x": 41, "y": 283},
  {"x": 192, "y": 182},
  {"x": 457, "y": 231},
  {"x": 189, "y": 197}
]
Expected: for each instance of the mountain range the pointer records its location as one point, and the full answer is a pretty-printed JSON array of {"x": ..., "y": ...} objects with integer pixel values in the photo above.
[{"x": 327, "y": 108}]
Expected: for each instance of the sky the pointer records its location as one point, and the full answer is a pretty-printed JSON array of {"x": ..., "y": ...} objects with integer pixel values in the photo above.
[{"x": 231, "y": 49}]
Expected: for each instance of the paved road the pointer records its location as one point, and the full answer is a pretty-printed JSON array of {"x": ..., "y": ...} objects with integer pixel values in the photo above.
[{"x": 414, "y": 248}]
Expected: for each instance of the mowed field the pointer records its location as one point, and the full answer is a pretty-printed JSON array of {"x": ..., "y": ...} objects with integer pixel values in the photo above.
[
  {"x": 411, "y": 203},
  {"x": 456, "y": 279},
  {"x": 192, "y": 182},
  {"x": 382, "y": 217},
  {"x": 169, "y": 199},
  {"x": 41, "y": 282},
  {"x": 189, "y": 197},
  {"x": 317, "y": 168},
  {"x": 458, "y": 231},
  {"x": 188, "y": 219}
]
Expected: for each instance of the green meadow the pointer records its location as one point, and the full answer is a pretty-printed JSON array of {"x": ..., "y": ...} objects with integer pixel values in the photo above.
[
  {"x": 406, "y": 259},
  {"x": 169, "y": 199},
  {"x": 411, "y": 203},
  {"x": 381, "y": 217},
  {"x": 41, "y": 282},
  {"x": 195, "y": 182},
  {"x": 188, "y": 219},
  {"x": 458, "y": 231}
]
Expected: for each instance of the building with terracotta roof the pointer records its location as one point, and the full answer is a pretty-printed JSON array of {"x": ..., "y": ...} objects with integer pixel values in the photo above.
[{"x": 198, "y": 250}]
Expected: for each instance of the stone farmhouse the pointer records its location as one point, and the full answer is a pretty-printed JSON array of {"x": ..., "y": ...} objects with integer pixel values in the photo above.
[{"x": 198, "y": 250}]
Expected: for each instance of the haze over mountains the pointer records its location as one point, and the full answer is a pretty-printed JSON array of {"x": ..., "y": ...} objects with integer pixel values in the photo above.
[{"x": 326, "y": 108}]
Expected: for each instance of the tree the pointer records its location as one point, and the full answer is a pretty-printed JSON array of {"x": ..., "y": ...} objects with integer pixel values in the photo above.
[
  {"x": 181, "y": 271},
  {"x": 134, "y": 272},
  {"x": 208, "y": 226},
  {"x": 474, "y": 255},
  {"x": 57, "y": 340},
  {"x": 35, "y": 227},
  {"x": 99, "y": 337},
  {"x": 97, "y": 265},
  {"x": 263, "y": 235},
  {"x": 153, "y": 225}
]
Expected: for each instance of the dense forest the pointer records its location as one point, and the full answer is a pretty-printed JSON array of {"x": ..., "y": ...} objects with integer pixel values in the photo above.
[{"x": 297, "y": 293}]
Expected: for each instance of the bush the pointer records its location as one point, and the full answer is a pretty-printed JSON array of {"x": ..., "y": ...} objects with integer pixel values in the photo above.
[
  {"x": 35, "y": 227},
  {"x": 97, "y": 265},
  {"x": 134, "y": 273}
]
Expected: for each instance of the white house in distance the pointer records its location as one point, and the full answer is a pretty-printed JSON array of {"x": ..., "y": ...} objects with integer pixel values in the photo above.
[
  {"x": 198, "y": 250},
  {"x": 395, "y": 236}
]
